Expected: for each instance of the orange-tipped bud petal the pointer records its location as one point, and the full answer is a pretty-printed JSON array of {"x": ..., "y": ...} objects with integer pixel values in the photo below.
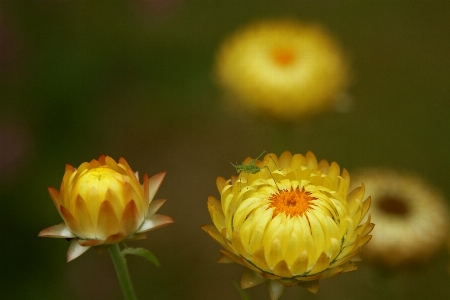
[{"x": 103, "y": 202}]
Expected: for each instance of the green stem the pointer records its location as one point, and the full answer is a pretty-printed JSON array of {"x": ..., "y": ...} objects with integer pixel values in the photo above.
[{"x": 120, "y": 264}]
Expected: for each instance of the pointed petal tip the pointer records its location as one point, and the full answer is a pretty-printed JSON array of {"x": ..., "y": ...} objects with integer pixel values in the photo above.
[
  {"x": 57, "y": 231},
  {"x": 275, "y": 289},
  {"x": 311, "y": 286},
  {"x": 159, "y": 176},
  {"x": 155, "y": 205},
  {"x": 205, "y": 227},
  {"x": 222, "y": 259},
  {"x": 154, "y": 183},
  {"x": 75, "y": 250},
  {"x": 155, "y": 221},
  {"x": 251, "y": 278},
  {"x": 51, "y": 189}
]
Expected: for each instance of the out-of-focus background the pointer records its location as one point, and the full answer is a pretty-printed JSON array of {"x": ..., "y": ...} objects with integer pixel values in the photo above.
[{"x": 135, "y": 79}]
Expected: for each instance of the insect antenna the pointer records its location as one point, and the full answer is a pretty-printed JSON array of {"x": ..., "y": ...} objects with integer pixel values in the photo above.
[
  {"x": 268, "y": 154},
  {"x": 251, "y": 168}
]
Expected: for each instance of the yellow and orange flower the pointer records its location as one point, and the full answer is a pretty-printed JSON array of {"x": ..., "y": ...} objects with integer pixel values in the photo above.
[
  {"x": 283, "y": 69},
  {"x": 292, "y": 223},
  {"x": 102, "y": 202}
]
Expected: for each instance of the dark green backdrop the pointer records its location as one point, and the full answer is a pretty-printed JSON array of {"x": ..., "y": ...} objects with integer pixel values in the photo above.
[{"x": 134, "y": 79}]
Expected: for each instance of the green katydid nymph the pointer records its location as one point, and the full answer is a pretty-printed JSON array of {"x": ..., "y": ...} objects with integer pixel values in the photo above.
[{"x": 251, "y": 167}]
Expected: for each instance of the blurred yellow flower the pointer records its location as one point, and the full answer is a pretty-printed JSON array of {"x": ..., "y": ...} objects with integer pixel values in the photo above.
[
  {"x": 292, "y": 225},
  {"x": 411, "y": 216},
  {"x": 283, "y": 69},
  {"x": 102, "y": 202}
]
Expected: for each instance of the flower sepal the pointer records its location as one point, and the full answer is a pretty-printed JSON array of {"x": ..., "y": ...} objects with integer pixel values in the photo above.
[
  {"x": 275, "y": 288},
  {"x": 57, "y": 231}
]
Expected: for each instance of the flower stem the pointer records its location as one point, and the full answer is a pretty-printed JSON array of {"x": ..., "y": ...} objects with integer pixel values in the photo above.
[{"x": 120, "y": 264}]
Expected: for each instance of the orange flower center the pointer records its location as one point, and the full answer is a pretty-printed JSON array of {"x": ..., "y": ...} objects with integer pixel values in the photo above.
[
  {"x": 283, "y": 56},
  {"x": 292, "y": 203}
]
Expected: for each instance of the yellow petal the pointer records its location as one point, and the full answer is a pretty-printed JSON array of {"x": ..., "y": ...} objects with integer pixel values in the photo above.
[
  {"x": 71, "y": 223},
  {"x": 298, "y": 161},
  {"x": 108, "y": 224},
  {"x": 281, "y": 269},
  {"x": 344, "y": 183},
  {"x": 365, "y": 228},
  {"x": 123, "y": 162},
  {"x": 273, "y": 253},
  {"x": 285, "y": 159},
  {"x": 131, "y": 219},
  {"x": 354, "y": 199},
  {"x": 257, "y": 234},
  {"x": 334, "y": 174},
  {"x": 221, "y": 183},
  {"x": 113, "y": 165},
  {"x": 322, "y": 263},
  {"x": 300, "y": 266},
  {"x": 54, "y": 194},
  {"x": 237, "y": 245},
  {"x": 310, "y": 161},
  {"x": 129, "y": 193},
  {"x": 101, "y": 160},
  {"x": 82, "y": 215},
  {"x": 258, "y": 258},
  {"x": 317, "y": 233},
  {"x": 216, "y": 235},
  {"x": 323, "y": 166},
  {"x": 366, "y": 206},
  {"x": 216, "y": 213},
  {"x": 294, "y": 243},
  {"x": 145, "y": 185}
]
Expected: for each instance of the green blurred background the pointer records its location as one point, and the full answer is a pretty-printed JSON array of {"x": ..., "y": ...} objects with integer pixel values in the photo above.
[{"x": 134, "y": 79}]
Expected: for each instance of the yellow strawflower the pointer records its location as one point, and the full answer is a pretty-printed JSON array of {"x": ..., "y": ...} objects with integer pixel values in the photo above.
[
  {"x": 102, "y": 202},
  {"x": 282, "y": 69},
  {"x": 292, "y": 225},
  {"x": 411, "y": 215}
]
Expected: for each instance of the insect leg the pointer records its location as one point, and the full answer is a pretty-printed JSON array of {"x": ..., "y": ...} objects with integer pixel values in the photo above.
[{"x": 272, "y": 177}]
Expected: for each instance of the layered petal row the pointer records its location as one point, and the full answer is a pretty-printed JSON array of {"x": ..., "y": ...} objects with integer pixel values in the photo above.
[
  {"x": 103, "y": 202},
  {"x": 293, "y": 222}
]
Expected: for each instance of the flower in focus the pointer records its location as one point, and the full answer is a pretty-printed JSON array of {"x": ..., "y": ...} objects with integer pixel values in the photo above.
[
  {"x": 411, "y": 216},
  {"x": 292, "y": 225},
  {"x": 283, "y": 69},
  {"x": 102, "y": 202}
]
